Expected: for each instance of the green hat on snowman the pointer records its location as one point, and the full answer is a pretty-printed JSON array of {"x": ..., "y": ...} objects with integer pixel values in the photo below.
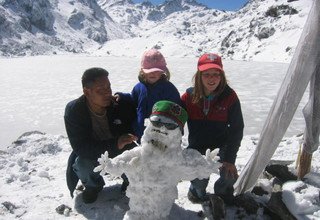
[{"x": 170, "y": 110}]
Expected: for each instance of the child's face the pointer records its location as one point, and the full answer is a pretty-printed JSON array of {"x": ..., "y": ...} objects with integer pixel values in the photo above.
[
  {"x": 210, "y": 80},
  {"x": 152, "y": 77}
]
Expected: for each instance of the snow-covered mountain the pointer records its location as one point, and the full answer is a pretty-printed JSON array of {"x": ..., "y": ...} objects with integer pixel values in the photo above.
[
  {"x": 46, "y": 27},
  {"x": 262, "y": 30}
]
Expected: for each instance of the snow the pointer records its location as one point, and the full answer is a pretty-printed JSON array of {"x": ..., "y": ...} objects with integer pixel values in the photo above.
[{"x": 301, "y": 198}]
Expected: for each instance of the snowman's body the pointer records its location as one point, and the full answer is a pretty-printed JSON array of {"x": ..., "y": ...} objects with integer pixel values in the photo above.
[{"x": 154, "y": 170}]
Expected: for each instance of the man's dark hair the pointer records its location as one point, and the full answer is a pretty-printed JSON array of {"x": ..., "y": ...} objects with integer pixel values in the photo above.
[{"x": 90, "y": 75}]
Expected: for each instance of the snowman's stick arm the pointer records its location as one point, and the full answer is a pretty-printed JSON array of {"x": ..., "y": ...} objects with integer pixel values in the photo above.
[
  {"x": 195, "y": 165},
  {"x": 118, "y": 165}
]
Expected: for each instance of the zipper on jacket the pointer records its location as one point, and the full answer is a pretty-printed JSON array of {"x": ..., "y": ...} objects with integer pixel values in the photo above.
[{"x": 206, "y": 105}]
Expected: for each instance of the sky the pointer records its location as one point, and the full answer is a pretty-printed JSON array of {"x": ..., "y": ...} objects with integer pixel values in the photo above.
[
  {"x": 32, "y": 171},
  {"x": 229, "y": 5}
]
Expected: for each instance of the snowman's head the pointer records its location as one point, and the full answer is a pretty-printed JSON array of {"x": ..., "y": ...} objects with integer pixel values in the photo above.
[
  {"x": 161, "y": 133},
  {"x": 164, "y": 128}
]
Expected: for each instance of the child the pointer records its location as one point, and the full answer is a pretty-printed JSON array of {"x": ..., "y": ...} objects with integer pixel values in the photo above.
[
  {"x": 154, "y": 86},
  {"x": 215, "y": 121}
]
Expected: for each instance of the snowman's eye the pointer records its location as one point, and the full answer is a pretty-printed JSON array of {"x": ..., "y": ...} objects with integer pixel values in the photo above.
[{"x": 159, "y": 124}]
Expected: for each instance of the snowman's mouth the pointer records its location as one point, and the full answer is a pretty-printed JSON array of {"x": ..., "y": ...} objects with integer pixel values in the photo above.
[{"x": 158, "y": 144}]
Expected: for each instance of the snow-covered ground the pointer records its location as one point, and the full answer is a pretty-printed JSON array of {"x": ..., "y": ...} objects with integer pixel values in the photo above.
[
  {"x": 34, "y": 92},
  {"x": 33, "y": 184}
]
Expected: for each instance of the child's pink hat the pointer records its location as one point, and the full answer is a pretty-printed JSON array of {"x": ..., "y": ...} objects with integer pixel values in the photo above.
[{"x": 153, "y": 60}]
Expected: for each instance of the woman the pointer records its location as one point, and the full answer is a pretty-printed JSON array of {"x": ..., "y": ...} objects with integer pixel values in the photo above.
[{"x": 215, "y": 121}]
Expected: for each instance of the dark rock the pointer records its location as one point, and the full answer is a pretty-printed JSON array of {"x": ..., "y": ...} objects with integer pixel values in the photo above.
[
  {"x": 226, "y": 41},
  {"x": 9, "y": 206},
  {"x": 257, "y": 190},
  {"x": 281, "y": 172},
  {"x": 217, "y": 203},
  {"x": 20, "y": 139},
  {"x": 61, "y": 209},
  {"x": 154, "y": 15},
  {"x": 265, "y": 32},
  {"x": 214, "y": 208},
  {"x": 272, "y": 12},
  {"x": 277, "y": 183},
  {"x": 276, "y": 206},
  {"x": 247, "y": 202},
  {"x": 76, "y": 20},
  {"x": 30, "y": 133},
  {"x": 271, "y": 214},
  {"x": 276, "y": 11}
]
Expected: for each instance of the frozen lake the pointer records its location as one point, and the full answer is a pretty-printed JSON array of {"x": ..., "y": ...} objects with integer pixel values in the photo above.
[{"x": 35, "y": 90}]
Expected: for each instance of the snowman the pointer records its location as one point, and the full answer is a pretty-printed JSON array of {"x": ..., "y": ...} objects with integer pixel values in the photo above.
[{"x": 155, "y": 168}]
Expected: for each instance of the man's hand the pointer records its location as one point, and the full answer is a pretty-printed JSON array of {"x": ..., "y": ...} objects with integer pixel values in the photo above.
[
  {"x": 116, "y": 97},
  {"x": 126, "y": 139},
  {"x": 230, "y": 170}
]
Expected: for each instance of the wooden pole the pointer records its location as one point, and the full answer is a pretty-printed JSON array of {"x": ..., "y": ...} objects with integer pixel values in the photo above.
[{"x": 304, "y": 162}]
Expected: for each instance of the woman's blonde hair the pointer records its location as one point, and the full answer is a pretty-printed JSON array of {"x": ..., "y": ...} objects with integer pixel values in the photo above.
[
  {"x": 198, "y": 92},
  {"x": 165, "y": 75}
]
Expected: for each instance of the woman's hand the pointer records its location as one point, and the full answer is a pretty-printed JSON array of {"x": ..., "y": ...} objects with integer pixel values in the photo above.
[{"x": 230, "y": 170}]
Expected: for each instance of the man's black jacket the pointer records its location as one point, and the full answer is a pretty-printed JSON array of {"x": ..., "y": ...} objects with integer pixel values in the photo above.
[{"x": 79, "y": 130}]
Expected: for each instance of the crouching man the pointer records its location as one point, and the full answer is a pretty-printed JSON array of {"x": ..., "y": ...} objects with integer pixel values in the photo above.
[{"x": 95, "y": 124}]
